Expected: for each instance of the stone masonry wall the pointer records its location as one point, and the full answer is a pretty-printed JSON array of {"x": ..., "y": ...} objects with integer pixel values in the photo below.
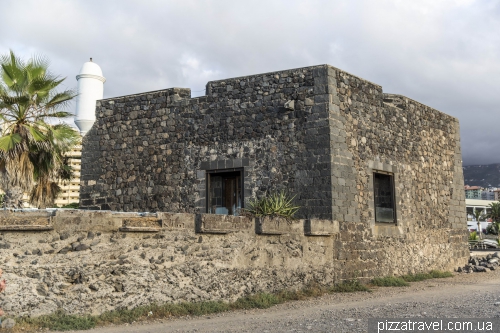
[
  {"x": 318, "y": 132},
  {"x": 95, "y": 261},
  {"x": 149, "y": 152},
  {"x": 372, "y": 131}
]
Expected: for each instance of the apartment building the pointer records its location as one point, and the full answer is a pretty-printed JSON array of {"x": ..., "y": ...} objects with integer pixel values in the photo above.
[
  {"x": 473, "y": 192},
  {"x": 70, "y": 190}
]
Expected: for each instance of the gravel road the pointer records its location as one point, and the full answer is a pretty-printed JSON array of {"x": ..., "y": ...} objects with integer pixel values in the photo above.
[{"x": 462, "y": 296}]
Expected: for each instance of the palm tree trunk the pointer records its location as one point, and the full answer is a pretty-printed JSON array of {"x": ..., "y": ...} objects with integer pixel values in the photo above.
[{"x": 14, "y": 198}]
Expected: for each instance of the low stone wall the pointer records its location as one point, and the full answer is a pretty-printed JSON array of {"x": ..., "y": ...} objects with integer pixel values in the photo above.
[{"x": 94, "y": 261}]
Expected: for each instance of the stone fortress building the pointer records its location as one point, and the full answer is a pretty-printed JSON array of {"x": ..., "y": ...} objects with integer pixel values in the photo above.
[
  {"x": 348, "y": 151},
  {"x": 375, "y": 167},
  {"x": 163, "y": 177}
]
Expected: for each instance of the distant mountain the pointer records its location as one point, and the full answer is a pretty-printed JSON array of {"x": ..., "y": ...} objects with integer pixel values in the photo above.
[{"x": 482, "y": 175}]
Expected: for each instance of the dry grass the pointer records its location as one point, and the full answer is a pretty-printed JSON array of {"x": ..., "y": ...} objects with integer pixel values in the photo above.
[
  {"x": 402, "y": 281},
  {"x": 60, "y": 321}
]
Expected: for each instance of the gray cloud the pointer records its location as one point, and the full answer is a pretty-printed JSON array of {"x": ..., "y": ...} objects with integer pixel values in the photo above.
[{"x": 442, "y": 53}]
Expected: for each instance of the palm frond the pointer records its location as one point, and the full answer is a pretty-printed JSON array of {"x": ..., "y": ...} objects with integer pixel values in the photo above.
[
  {"x": 38, "y": 65},
  {"x": 8, "y": 142},
  {"x": 35, "y": 132},
  {"x": 60, "y": 100}
]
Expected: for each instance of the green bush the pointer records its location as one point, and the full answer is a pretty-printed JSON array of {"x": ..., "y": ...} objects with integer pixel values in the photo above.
[
  {"x": 473, "y": 236},
  {"x": 259, "y": 301},
  {"x": 390, "y": 281},
  {"x": 349, "y": 286},
  {"x": 73, "y": 205},
  {"x": 492, "y": 229},
  {"x": 60, "y": 321},
  {"x": 402, "y": 281},
  {"x": 278, "y": 204},
  {"x": 426, "y": 276}
]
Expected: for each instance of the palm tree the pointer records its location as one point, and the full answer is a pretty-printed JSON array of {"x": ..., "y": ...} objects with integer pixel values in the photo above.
[
  {"x": 31, "y": 148},
  {"x": 494, "y": 215},
  {"x": 478, "y": 214}
]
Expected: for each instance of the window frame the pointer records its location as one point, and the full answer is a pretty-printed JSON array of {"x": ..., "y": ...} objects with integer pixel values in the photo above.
[
  {"x": 209, "y": 173},
  {"x": 393, "y": 197}
]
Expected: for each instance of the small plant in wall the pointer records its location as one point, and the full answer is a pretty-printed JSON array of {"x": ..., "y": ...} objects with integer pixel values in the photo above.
[{"x": 275, "y": 204}]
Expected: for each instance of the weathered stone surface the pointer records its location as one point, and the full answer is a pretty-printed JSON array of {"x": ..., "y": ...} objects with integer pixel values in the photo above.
[
  {"x": 82, "y": 247},
  {"x": 8, "y": 323},
  {"x": 144, "y": 222},
  {"x": 316, "y": 227},
  {"x": 278, "y": 226},
  {"x": 24, "y": 227},
  {"x": 480, "y": 269},
  {"x": 178, "y": 265},
  {"x": 25, "y": 218},
  {"x": 221, "y": 224}
]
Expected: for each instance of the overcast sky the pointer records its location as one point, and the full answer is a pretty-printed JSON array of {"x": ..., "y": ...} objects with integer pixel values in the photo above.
[{"x": 443, "y": 53}]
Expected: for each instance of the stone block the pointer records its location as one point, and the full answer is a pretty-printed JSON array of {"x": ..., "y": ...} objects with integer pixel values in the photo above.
[
  {"x": 221, "y": 224},
  {"x": 142, "y": 222},
  {"x": 81, "y": 220},
  {"x": 319, "y": 72},
  {"x": 331, "y": 71},
  {"x": 325, "y": 98},
  {"x": 278, "y": 226},
  {"x": 317, "y": 227},
  {"x": 205, "y": 165},
  {"x": 320, "y": 89},
  {"x": 387, "y": 230},
  {"x": 26, "y": 218},
  {"x": 177, "y": 220},
  {"x": 26, "y": 227},
  {"x": 221, "y": 164}
]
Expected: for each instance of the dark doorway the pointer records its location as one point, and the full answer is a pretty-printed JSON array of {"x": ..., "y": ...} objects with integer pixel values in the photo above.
[{"x": 225, "y": 195}]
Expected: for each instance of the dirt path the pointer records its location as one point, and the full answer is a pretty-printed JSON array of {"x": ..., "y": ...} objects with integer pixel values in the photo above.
[{"x": 463, "y": 296}]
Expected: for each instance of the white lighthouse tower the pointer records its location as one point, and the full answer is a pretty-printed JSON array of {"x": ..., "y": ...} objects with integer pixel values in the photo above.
[{"x": 90, "y": 89}]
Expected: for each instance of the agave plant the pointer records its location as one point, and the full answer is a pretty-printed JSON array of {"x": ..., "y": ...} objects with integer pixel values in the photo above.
[
  {"x": 277, "y": 204},
  {"x": 31, "y": 147}
]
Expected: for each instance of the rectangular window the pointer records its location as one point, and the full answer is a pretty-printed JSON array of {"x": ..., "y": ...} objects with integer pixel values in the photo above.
[
  {"x": 383, "y": 188},
  {"x": 225, "y": 192}
]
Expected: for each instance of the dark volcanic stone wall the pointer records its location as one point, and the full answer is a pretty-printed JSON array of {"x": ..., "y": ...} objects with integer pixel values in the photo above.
[
  {"x": 372, "y": 131},
  {"x": 149, "y": 152}
]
